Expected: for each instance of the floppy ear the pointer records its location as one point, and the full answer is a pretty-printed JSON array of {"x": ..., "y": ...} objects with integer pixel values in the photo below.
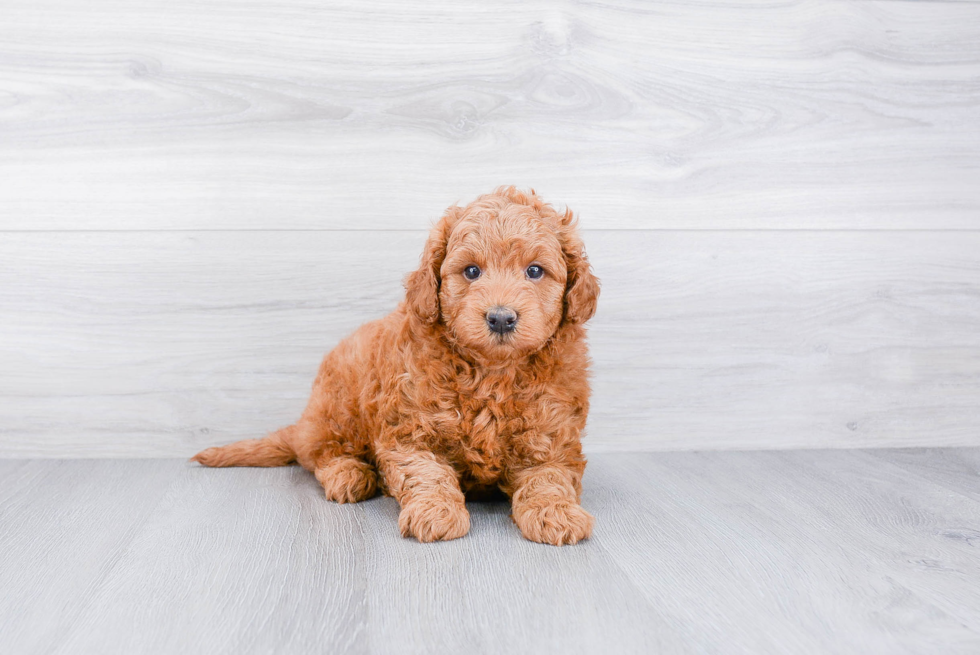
[
  {"x": 422, "y": 285},
  {"x": 582, "y": 286}
]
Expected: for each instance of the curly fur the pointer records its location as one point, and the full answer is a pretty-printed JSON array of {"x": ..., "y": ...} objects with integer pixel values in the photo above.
[{"x": 428, "y": 404}]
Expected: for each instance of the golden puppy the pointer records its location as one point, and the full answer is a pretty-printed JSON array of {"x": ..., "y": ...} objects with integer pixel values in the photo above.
[{"x": 478, "y": 380}]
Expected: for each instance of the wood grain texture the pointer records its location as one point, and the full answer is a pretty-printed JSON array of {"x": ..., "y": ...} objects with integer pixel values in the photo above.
[
  {"x": 832, "y": 551},
  {"x": 957, "y": 470},
  {"x": 259, "y": 561},
  {"x": 63, "y": 528},
  {"x": 181, "y": 183},
  {"x": 803, "y": 552},
  {"x": 158, "y": 344},
  {"x": 182, "y": 114}
]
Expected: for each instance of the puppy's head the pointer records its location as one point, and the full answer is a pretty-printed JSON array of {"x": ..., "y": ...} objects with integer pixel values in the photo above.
[{"x": 502, "y": 274}]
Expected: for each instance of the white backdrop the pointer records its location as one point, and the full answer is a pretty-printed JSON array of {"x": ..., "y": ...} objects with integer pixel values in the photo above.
[{"x": 782, "y": 200}]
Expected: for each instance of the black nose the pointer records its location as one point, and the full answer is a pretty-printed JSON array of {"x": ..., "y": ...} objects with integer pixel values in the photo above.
[{"x": 502, "y": 320}]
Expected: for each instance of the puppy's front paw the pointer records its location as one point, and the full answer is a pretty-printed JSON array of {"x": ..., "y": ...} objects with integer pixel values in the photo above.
[
  {"x": 553, "y": 522},
  {"x": 434, "y": 518}
]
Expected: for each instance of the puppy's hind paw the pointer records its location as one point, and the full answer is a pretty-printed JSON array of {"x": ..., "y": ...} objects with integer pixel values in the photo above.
[{"x": 347, "y": 480}]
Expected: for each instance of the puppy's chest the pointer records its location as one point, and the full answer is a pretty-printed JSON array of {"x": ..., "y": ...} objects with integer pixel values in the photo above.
[{"x": 489, "y": 416}]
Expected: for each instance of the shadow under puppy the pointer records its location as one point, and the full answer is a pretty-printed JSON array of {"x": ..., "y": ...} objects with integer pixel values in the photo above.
[{"x": 478, "y": 380}]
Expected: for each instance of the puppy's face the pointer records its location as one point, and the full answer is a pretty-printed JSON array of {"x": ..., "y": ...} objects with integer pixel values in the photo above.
[
  {"x": 503, "y": 282},
  {"x": 502, "y": 275}
]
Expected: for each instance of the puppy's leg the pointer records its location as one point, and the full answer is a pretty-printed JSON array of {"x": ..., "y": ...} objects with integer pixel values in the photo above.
[
  {"x": 426, "y": 487},
  {"x": 545, "y": 505},
  {"x": 346, "y": 479},
  {"x": 322, "y": 450}
]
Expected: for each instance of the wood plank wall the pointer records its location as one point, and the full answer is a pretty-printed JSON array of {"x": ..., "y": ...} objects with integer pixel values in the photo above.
[{"x": 197, "y": 199}]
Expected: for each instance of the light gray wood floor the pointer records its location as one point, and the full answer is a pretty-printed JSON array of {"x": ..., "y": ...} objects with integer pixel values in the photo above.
[{"x": 730, "y": 552}]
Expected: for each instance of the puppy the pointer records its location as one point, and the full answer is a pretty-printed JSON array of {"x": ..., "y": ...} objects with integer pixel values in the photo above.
[{"x": 477, "y": 381}]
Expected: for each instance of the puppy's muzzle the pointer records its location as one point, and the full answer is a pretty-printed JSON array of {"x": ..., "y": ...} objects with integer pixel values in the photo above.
[{"x": 502, "y": 320}]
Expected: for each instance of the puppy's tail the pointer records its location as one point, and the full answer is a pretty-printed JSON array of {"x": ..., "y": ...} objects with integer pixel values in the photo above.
[{"x": 274, "y": 450}]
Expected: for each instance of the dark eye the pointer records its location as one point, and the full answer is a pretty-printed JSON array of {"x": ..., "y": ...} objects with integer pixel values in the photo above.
[
  {"x": 534, "y": 272},
  {"x": 471, "y": 272}
]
